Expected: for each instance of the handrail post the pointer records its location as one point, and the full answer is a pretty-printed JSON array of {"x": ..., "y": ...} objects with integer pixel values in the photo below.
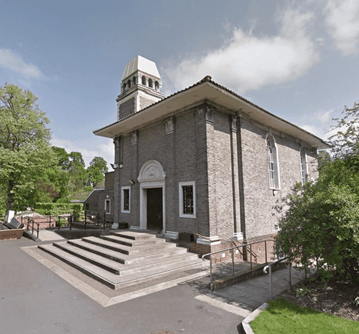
[
  {"x": 270, "y": 281},
  {"x": 265, "y": 251},
  {"x": 250, "y": 250},
  {"x": 38, "y": 230},
  {"x": 210, "y": 270},
  {"x": 232, "y": 253}
]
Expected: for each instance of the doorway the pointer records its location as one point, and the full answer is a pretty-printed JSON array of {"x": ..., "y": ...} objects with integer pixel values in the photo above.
[{"x": 154, "y": 209}]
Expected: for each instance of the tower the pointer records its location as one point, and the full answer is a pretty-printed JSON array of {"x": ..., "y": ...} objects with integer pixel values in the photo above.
[{"x": 140, "y": 87}]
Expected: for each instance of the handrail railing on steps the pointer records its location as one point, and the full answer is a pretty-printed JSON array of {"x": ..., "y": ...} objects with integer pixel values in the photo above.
[
  {"x": 231, "y": 249},
  {"x": 269, "y": 266}
]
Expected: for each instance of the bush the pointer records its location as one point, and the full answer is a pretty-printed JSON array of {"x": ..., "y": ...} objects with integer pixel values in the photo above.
[
  {"x": 321, "y": 223},
  {"x": 55, "y": 209}
]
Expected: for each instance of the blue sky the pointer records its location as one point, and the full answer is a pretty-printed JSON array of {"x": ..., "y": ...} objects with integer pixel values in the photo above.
[{"x": 297, "y": 59}]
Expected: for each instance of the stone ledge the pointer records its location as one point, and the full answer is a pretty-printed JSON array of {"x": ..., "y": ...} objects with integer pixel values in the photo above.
[{"x": 246, "y": 322}]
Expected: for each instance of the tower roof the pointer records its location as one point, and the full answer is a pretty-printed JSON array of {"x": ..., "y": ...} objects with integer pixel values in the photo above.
[{"x": 143, "y": 65}]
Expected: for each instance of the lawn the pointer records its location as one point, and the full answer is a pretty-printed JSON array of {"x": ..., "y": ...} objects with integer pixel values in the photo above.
[{"x": 284, "y": 317}]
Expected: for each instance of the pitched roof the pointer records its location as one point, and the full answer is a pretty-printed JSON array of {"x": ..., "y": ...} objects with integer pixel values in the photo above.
[{"x": 207, "y": 90}]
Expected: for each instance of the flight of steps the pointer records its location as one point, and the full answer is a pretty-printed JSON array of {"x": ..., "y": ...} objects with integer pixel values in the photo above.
[{"x": 125, "y": 258}]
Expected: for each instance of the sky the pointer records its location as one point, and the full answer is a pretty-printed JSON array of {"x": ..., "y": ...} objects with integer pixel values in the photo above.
[{"x": 297, "y": 59}]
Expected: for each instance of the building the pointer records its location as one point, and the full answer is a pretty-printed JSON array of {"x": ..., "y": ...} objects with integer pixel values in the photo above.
[{"x": 204, "y": 164}]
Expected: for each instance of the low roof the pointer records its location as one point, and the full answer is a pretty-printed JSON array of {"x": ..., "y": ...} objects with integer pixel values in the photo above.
[{"x": 207, "y": 90}]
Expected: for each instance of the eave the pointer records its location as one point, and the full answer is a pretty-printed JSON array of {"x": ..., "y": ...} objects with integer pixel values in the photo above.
[{"x": 208, "y": 90}]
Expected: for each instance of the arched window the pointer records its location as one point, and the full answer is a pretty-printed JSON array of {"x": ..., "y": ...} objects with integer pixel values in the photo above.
[
  {"x": 124, "y": 87},
  {"x": 273, "y": 168},
  {"x": 157, "y": 85},
  {"x": 134, "y": 81},
  {"x": 303, "y": 165},
  {"x": 150, "y": 83},
  {"x": 143, "y": 80},
  {"x": 129, "y": 83}
]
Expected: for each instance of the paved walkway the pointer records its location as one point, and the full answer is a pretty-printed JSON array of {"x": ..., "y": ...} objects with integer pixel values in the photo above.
[{"x": 46, "y": 301}]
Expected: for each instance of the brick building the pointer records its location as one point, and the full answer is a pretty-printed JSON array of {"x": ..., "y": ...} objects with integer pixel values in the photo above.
[{"x": 203, "y": 164}]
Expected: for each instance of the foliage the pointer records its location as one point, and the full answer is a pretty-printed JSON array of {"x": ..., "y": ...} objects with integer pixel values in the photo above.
[
  {"x": 345, "y": 142},
  {"x": 96, "y": 171},
  {"x": 55, "y": 209},
  {"x": 24, "y": 145},
  {"x": 282, "y": 316},
  {"x": 320, "y": 221}
]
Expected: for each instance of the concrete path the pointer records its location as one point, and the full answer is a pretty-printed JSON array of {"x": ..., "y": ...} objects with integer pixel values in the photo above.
[
  {"x": 40, "y": 298},
  {"x": 48, "y": 235}
]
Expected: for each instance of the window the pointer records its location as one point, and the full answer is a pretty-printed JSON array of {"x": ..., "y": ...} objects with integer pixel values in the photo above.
[
  {"x": 303, "y": 165},
  {"x": 187, "y": 199},
  {"x": 125, "y": 199},
  {"x": 150, "y": 83},
  {"x": 87, "y": 206},
  {"x": 134, "y": 81},
  {"x": 157, "y": 85},
  {"x": 272, "y": 164},
  {"x": 108, "y": 206},
  {"x": 143, "y": 80}
]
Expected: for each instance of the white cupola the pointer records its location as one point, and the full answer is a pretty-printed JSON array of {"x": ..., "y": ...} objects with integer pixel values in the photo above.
[{"x": 140, "y": 87}]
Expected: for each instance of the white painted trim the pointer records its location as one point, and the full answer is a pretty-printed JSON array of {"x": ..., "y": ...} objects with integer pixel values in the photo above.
[
  {"x": 180, "y": 196},
  {"x": 122, "y": 199},
  {"x": 277, "y": 169},
  {"x": 171, "y": 235},
  {"x": 213, "y": 240},
  {"x": 303, "y": 154}
]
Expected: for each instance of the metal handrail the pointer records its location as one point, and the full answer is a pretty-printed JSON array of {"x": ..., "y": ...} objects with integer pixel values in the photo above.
[
  {"x": 269, "y": 266},
  {"x": 32, "y": 227},
  {"x": 232, "y": 255}
]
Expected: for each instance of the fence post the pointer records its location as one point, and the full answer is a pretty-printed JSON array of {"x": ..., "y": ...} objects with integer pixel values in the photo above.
[
  {"x": 232, "y": 252},
  {"x": 290, "y": 274}
]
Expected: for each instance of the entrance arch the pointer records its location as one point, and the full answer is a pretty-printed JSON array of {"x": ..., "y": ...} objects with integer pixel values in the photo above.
[{"x": 152, "y": 196}]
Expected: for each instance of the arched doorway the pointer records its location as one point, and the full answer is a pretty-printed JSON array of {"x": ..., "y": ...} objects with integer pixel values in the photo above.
[{"x": 152, "y": 196}]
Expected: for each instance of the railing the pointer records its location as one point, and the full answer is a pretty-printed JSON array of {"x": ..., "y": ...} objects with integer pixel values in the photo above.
[
  {"x": 269, "y": 266},
  {"x": 32, "y": 223},
  {"x": 95, "y": 218},
  {"x": 244, "y": 248}
]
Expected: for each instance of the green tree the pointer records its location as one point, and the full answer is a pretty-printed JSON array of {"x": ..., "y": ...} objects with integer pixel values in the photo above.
[
  {"x": 320, "y": 220},
  {"x": 24, "y": 145},
  {"x": 77, "y": 172},
  {"x": 96, "y": 171}
]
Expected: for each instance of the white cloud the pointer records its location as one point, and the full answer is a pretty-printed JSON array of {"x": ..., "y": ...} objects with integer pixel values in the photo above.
[
  {"x": 87, "y": 149},
  {"x": 13, "y": 62},
  {"x": 342, "y": 19},
  {"x": 321, "y": 124},
  {"x": 248, "y": 62}
]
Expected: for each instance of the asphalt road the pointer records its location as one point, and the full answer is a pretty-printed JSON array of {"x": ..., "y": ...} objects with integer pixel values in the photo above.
[{"x": 33, "y": 299}]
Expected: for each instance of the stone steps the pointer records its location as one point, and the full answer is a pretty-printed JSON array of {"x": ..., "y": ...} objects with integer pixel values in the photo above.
[
  {"x": 124, "y": 258},
  {"x": 116, "y": 264}
]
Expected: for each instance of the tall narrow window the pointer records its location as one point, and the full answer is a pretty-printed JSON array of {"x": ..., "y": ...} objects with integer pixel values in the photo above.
[
  {"x": 272, "y": 164},
  {"x": 108, "y": 206},
  {"x": 126, "y": 200},
  {"x": 143, "y": 80},
  {"x": 303, "y": 165},
  {"x": 187, "y": 199}
]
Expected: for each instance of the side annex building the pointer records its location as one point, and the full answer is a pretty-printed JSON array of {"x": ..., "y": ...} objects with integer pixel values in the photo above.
[{"x": 203, "y": 165}]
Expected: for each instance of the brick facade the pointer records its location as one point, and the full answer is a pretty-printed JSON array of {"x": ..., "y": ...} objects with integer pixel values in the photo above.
[{"x": 216, "y": 141}]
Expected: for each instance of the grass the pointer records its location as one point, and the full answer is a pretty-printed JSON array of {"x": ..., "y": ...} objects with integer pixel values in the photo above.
[{"x": 284, "y": 317}]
